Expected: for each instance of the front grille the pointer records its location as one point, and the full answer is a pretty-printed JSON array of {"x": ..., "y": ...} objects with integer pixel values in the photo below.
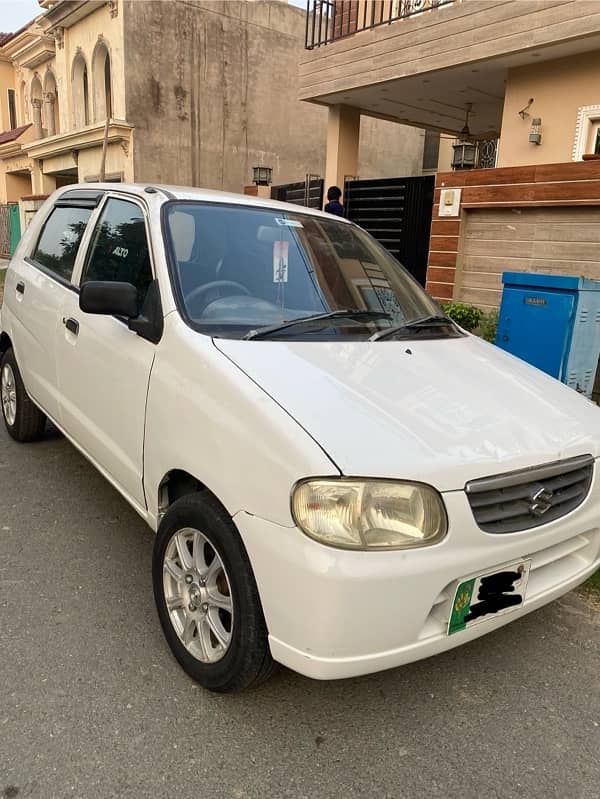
[{"x": 529, "y": 498}]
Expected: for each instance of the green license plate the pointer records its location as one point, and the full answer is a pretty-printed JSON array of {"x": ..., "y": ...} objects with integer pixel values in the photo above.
[{"x": 488, "y": 596}]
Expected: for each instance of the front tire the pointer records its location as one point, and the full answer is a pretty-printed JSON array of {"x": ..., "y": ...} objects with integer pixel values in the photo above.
[
  {"x": 207, "y": 599},
  {"x": 23, "y": 419}
]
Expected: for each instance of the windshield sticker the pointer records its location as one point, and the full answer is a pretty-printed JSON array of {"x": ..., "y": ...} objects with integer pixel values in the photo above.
[
  {"x": 288, "y": 222},
  {"x": 280, "y": 261}
]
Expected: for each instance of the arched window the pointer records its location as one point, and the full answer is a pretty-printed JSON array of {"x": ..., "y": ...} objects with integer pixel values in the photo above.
[
  {"x": 51, "y": 115},
  {"x": 36, "y": 88},
  {"x": 81, "y": 114},
  {"x": 102, "y": 82}
]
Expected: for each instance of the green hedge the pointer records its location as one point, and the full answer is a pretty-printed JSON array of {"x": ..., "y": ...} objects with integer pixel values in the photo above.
[{"x": 473, "y": 319}]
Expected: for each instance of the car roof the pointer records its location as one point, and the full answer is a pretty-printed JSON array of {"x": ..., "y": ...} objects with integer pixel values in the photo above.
[{"x": 169, "y": 192}]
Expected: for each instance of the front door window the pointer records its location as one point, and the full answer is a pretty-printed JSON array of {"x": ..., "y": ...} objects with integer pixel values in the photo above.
[{"x": 119, "y": 250}]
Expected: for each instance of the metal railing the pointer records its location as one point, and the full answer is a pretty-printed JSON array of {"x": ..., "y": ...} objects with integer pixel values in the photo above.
[
  {"x": 487, "y": 153},
  {"x": 328, "y": 20}
]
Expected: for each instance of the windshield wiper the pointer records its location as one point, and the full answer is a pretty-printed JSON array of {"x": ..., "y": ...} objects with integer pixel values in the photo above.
[
  {"x": 416, "y": 324},
  {"x": 344, "y": 313}
]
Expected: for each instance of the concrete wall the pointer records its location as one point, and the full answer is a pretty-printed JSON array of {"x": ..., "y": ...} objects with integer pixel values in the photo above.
[
  {"x": 559, "y": 88},
  {"x": 446, "y": 153},
  {"x": 211, "y": 89},
  {"x": 388, "y": 149},
  {"x": 17, "y": 186}
]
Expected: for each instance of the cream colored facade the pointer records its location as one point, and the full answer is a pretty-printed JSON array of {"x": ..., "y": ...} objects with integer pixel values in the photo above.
[
  {"x": 197, "y": 92},
  {"x": 566, "y": 97},
  {"x": 65, "y": 65},
  {"x": 493, "y": 56}
]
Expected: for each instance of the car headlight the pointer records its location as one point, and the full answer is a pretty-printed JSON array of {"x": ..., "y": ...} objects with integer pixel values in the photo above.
[{"x": 369, "y": 514}]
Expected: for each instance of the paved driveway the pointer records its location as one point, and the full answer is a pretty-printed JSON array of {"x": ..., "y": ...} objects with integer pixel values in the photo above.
[{"x": 93, "y": 705}]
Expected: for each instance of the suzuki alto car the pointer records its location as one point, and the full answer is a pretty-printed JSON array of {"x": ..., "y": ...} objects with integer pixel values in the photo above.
[{"x": 340, "y": 478}]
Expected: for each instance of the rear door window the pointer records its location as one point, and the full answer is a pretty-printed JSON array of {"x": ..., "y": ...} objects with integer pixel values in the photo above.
[{"x": 59, "y": 242}]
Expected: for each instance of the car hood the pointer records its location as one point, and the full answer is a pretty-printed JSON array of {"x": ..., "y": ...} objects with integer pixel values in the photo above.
[{"x": 441, "y": 411}]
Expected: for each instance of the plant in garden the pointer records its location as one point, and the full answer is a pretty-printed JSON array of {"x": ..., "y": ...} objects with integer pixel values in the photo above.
[
  {"x": 487, "y": 326},
  {"x": 467, "y": 316}
]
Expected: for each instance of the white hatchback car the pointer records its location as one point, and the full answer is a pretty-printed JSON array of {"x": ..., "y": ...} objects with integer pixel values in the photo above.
[{"x": 341, "y": 479}]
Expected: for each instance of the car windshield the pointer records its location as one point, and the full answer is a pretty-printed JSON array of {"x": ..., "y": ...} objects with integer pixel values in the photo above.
[{"x": 248, "y": 272}]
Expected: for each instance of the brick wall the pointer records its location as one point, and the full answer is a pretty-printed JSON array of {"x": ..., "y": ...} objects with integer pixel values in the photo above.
[{"x": 346, "y": 17}]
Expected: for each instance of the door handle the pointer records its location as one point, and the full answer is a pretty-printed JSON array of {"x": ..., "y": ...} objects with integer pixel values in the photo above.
[
  {"x": 21, "y": 287},
  {"x": 72, "y": 325}
]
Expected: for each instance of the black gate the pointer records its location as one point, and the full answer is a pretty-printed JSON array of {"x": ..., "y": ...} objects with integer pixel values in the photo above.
[
  {"x": 307, "y": 192},
  {"x": 397, "y": 212}
]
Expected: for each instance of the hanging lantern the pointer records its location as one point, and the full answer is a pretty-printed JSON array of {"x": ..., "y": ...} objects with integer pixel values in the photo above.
[
  {"x": 464, "y": 155},
  {"x": 464, "y": 151}
]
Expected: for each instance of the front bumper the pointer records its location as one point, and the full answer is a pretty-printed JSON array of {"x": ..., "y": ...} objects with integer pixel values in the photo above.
[{"x": 334, "y": 613}]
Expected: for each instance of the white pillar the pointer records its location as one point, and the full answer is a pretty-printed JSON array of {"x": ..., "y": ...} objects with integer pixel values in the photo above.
[
  {"x": 49, "y": 103},
  {"x": 37, "y": 118}
]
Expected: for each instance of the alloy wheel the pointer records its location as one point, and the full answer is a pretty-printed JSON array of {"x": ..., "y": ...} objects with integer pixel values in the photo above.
[
  {"x": 198, "y": 595},
  {"x": 8, "y": 394}
]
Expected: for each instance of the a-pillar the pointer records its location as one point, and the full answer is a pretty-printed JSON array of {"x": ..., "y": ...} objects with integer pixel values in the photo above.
[
  {"x": 49, "y": 103},
  {"x": 343, "y": 133},
  {"x": 36, "y": 105}
]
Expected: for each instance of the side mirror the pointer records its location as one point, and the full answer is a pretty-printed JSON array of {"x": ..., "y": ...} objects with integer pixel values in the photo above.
[{"x": 107, "y": 297}]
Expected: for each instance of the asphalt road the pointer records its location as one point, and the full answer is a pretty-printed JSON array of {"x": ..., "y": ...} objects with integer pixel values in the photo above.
[{"x": 93, "y": 705}]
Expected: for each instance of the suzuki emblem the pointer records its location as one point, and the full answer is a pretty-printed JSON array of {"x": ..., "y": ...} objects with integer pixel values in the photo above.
[{"x": 540, "y": 500}]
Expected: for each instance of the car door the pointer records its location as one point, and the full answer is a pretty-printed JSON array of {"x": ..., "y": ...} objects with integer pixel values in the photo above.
[
  {"x": 103, "y": 367},
  {"x": 41, "y": 282}
]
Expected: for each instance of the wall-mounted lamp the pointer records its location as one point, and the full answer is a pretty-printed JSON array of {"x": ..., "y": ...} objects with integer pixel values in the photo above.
[
  {"x": 524, "y": 112},
  {"x": 535, "y": 134},
  {"x": 262, "y": 175}
]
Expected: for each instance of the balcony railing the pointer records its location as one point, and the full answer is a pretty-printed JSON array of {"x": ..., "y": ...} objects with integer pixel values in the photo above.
[{"x": 328, "y": 20}]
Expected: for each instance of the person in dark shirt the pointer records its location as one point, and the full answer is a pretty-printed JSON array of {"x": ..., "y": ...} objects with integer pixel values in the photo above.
[{"x": 334, "y": 205}]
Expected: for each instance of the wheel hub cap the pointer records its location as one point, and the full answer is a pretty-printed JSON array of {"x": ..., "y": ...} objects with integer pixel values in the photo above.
[
  {"x": 8, "y": 394},
  {"x": 195, "y": 595},
  {"x": 198, "y": 595}
]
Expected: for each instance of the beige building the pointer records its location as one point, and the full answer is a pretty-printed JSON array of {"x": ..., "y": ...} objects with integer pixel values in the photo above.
[
  {"x": 196, "y": 93},
  {"x": 523, "y": 76},
  {"x": 426, "y": 62}
]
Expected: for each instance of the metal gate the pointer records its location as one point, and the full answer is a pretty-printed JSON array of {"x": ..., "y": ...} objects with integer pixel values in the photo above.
[
  {"x": 307, "y": 192},
  {"x": 4, "y": 231},
  {"x": 14, "y": 224},
  {"x": 397, "y": 212}
]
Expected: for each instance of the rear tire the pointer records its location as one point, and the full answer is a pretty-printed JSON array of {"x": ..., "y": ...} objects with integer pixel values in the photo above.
[
  {"x": 207, "y": 599},
  {"x": 23, "y": 419}
]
